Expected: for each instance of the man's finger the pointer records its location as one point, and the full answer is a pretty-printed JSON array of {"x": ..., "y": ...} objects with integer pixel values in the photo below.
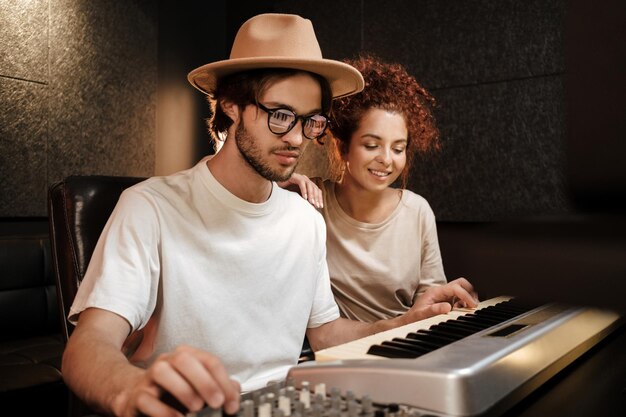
[{"x": 227, "y": 390}]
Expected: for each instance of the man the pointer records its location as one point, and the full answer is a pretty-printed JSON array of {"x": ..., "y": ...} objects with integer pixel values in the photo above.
[{"x": 220, "y": 269}]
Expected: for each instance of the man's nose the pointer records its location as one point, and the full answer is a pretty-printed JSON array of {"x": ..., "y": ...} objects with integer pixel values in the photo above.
[{"x": 294, "y": 137}]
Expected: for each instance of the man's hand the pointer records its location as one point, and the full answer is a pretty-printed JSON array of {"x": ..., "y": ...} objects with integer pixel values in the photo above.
[
  {"x": 185, "y": 380},
  {"x": 441, "y": 299},
  {"x": 305, "y": 187}
]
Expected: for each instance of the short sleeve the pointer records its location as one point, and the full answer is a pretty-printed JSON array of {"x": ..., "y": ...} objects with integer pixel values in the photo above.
[{"x": 123, "y": 273}]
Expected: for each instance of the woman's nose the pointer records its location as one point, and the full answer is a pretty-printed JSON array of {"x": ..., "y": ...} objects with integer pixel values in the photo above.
[{"x": 384, "y": 156}]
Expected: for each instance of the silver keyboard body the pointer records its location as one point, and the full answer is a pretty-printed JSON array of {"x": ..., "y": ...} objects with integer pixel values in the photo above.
[{"x": 479, "y": 373}]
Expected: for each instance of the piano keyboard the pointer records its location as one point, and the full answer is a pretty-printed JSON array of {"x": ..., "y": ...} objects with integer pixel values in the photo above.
[
  {"x": 484, "y": 370},
  {"x": 358, "y": 349}
]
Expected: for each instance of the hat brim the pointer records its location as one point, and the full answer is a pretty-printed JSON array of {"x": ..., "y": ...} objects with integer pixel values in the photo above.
[{"x": 344, "y": 79}]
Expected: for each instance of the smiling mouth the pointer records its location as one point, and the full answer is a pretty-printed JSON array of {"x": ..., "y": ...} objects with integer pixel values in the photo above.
[{"x": 381, "y": 174}]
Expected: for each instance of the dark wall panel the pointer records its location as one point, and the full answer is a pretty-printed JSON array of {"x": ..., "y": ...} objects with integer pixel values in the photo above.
[
  {"x": 501, "y": 154},
  {"x": 338, "y": 24},
  {"x": 457, "y": 42},
  {"x": 78, "y": 83},
  {"x": 596, "y": 61},
  {"x": 23, "y": 138},
  {"x": 496, "y": 69},
  {"x": 103, "y": 65},
  {"x": 24, "y": 40},
  {"x": 23, "y": 107}
]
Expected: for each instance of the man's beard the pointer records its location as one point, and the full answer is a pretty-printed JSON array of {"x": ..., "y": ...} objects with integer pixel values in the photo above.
[{"x": 252, "y": 155}]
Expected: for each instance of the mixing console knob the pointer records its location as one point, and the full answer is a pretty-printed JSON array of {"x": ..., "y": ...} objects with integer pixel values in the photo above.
[
  {"x": 349, "y": 396},
  {"x": 317, "y": 410},
  {"x": 353, "y": 408},
  {"x": 366, "y": 403},
  {"x": 264, "y": 410},
  {"x": 305, "y": 395},
  {"x": 247, "y": 408},
  {"x": 284, "y": 404},
  {"x": 319, "y": 399}
]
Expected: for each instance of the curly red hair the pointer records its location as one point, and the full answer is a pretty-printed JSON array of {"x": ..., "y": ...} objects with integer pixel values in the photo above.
[{"x": 388, "y": 86}]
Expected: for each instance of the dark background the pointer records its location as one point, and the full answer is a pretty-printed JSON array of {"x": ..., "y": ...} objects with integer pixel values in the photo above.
[{"x": 529, "y": 185}]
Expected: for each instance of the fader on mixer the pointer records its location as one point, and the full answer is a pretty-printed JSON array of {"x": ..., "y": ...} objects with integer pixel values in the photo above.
[{"x": 284, "y": 399}]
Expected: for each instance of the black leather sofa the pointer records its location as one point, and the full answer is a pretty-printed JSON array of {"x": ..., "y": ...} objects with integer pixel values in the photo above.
[{"x": 31, "y": 344}]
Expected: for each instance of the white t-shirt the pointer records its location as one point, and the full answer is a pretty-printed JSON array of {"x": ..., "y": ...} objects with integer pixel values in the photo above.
[
  {"x": 377, "y": 270},
  {"x": 190, "y": 263}
]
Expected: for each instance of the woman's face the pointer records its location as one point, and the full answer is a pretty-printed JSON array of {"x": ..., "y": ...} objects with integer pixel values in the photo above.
[{"x": 377, "y": 153}]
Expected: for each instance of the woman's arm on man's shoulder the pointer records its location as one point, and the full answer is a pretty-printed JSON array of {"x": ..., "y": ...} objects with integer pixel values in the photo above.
[{"x": 308, "y": 188}]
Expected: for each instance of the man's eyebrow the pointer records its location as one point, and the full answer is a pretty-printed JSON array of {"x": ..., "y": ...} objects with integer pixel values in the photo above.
[{"x": 276, "y": 105}]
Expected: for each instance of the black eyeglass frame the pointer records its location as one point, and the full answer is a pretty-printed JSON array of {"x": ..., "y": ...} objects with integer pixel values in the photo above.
[{"x": 303, "y": 119}]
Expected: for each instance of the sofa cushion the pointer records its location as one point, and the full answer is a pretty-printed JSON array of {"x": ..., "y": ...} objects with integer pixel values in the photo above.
[
  {"x": 28, "y": 300},
  {"x": 31, "y": 344}
]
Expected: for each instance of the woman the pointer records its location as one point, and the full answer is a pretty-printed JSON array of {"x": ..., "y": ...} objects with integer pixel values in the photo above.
[{"x": 382, "y": 248}]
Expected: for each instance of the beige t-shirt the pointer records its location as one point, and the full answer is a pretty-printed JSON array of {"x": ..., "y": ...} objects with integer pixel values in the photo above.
[{"x": 377, "y": 270}]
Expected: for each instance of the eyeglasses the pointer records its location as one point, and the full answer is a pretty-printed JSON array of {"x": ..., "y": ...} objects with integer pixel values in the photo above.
[{"x": 281, "y": 120}]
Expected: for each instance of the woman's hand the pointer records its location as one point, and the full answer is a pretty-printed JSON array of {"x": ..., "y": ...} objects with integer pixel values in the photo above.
[
  {"x": 442, "y": 299},
  {"x": 305, "y": 187}
]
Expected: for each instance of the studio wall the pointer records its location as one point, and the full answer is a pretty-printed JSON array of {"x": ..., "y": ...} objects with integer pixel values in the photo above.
[
  {"x": 77, "y": 87},
  {"x": 497, "y": 71},
  {"x": 99, "y": 87}
]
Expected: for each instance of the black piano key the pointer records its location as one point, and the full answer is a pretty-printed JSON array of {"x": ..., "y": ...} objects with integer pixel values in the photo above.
[
  {"x": 518, "y": 305},
  {"x": 463, "y": 325},
  {"x": 419, "y": 344},
  {"x": 411, "y": 347},
  {"x": 429, "y": 338},
  {"x": 456, "y": 334},
  {"x": 450, "y": 329},
  {"x": 516, "y": 309},
  {"x": 441, "y": 335},
  {"x": 474, "y": 322},
  {"x": 503, "y": 309},
  {"x": 493, "y": 313},
  {"x": 391, "y": 352},
  {"x": 482, "y": 320},
  {"x": 511, "y": 308}
]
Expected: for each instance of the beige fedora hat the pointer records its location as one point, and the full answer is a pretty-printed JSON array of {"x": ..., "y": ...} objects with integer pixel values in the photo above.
[{"x": 278, "y": 41}]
